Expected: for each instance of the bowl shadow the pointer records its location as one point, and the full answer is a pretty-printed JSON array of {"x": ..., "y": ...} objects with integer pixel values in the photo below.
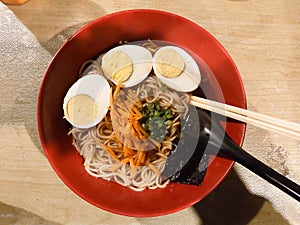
[
  {"x": 14, "y": 215},
  {"x": 53, "y": 44},
  {"x": 232, "y": 203}
]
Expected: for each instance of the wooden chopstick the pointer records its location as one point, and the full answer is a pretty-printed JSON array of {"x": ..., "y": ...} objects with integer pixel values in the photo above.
[{"x": 280, "y": 126}]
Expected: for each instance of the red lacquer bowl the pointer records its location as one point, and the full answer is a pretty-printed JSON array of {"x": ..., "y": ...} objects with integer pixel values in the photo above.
[{"x": 220, "y": 80}]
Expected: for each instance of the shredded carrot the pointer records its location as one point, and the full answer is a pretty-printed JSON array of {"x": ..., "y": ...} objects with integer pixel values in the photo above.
[
  {"x": 133, "y": 171},
  {"x": 131, "y": 161},
  {"x": 120, "y": 145},
  {"x": 141, "y": 129},
  {"x": 135, "y": 110},
  {"x": 135, "y": 116},
  {"x": 111, "y": 99},
  {"x": 121, "y": 163},
  {"x": 117, "y": 91},
  {"x": 143, "y": 157},
  {"x": 110, "y": 151},
  {"x": 128, "y": 152},
  {"x": 133, "y": 131},
  {"x": 122, "y": 111},
  {"x": 126, "y": 110},
  {"x": 140, "y": 158}
]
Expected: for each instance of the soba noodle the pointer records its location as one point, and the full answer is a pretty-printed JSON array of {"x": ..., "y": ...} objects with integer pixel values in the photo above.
[{"x": 93, "y": 143}]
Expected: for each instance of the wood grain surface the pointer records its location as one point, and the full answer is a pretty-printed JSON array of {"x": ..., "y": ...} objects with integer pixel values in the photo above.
[{"x": 263, "y": 38}]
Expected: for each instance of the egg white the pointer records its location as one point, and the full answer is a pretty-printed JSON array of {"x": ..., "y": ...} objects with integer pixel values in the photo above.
[
  {"x": 141, "y": 60},
  {"x": 190, "y": 77},
  {"x": 97, "y": 88}
]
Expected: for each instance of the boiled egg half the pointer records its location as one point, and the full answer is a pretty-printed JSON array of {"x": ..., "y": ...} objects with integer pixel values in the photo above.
[
  {"x": 87, "y": 101},
  {"x": 176, "y": 68},
  {"x": 129, "y": 64}
]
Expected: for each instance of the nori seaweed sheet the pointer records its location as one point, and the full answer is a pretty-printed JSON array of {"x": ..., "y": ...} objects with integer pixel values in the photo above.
[{"x": 187, "y": 162}]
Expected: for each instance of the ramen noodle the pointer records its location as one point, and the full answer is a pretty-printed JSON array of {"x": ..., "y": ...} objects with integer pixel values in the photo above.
[{"x": 122, "y": 148}]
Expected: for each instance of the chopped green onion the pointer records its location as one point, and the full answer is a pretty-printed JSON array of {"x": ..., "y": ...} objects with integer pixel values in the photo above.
[{"x": 155, "y": 120}]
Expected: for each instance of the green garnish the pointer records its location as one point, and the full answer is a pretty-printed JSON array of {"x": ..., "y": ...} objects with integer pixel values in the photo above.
[{"x": 156, "y": 120}]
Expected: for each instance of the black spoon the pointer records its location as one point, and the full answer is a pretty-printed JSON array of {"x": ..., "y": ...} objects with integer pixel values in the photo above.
[{"x": 213, "y": 138}]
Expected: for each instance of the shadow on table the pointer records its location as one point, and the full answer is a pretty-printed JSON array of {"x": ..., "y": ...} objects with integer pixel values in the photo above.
[
  {"x": 53, "y": 44},
  {"x": 14, "y": 215},
  {"x": 34, "y": 60},
  {"x": 27, "y": 98},
  {"x": 231, "y": 203}
]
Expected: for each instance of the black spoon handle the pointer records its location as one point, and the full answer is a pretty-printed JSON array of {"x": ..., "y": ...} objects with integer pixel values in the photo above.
[{"x": 230, "y": 149}]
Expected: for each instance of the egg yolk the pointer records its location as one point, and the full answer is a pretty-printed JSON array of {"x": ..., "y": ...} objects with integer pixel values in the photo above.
[
  {"x": 117, "y": 65},
  {"x": 169, "y": 63},
  {"x": 82, "y": 109}
]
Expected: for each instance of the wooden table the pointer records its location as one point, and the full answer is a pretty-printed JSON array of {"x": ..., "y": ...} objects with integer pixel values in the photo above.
[{"x": 263, "y": 38}]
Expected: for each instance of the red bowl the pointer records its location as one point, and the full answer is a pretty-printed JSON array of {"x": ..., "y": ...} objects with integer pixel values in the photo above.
[{"x": 221, "y": 80}]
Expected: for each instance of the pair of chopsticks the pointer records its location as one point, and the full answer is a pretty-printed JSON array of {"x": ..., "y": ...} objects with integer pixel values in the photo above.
[{"x": 280, "y": 126}]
